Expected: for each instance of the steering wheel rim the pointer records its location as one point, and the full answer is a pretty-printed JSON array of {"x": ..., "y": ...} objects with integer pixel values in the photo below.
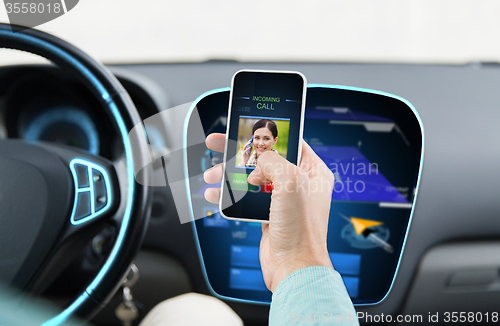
[{"x": 100, "y": 81}]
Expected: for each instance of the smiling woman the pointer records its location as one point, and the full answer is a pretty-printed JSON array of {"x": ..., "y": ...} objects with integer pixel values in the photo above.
[{"x": 257, "y": 135}]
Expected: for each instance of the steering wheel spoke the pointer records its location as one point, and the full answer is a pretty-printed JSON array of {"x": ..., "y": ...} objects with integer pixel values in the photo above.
[
  {"x": 95, "y": 185},
  {"x": 73, "y": 193}
]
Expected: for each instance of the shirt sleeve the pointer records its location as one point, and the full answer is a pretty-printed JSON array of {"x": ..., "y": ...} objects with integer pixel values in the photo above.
[{"x": 315, "y": 295}]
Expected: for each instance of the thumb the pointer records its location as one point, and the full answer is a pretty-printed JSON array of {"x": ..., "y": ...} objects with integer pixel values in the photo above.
[{"x": 271, "y": 167}]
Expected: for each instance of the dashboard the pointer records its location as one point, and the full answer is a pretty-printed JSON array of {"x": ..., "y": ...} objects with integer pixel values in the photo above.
[
  {"x": 456, "y": 214},
  {"x": 373, "y": 145},
  {"x": 46, "y": 105}
]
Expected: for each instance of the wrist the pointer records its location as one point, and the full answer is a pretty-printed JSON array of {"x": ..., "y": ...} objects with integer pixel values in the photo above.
[{"x": 292, "y": 266}]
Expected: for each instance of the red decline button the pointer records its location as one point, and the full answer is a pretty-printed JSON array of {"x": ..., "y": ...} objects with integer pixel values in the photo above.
[{"x": 267, "y": 188}]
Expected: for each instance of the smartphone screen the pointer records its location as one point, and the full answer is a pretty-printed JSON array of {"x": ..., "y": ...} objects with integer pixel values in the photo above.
[{"x": 266, "y": 113}]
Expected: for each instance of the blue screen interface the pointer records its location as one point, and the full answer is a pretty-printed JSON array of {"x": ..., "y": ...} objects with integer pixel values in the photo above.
[{"x": 372, "y": 144}]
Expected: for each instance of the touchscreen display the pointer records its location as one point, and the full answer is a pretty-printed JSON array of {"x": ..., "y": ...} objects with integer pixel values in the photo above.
[
  {"x": 373, "y": 145},
  {"x": 266, "y": 113}
]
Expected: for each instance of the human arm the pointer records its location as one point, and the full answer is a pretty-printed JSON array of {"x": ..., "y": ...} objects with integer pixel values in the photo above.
[
  {"x": 293, "y": 244},
  {"x": 314, "y": 295}
]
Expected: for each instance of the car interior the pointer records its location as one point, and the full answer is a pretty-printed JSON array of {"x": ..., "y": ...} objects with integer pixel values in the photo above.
[{"x": 428, "y": 132}]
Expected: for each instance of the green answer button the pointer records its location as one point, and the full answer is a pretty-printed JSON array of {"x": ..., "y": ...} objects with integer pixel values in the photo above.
[{"x": 238, "y": 181}]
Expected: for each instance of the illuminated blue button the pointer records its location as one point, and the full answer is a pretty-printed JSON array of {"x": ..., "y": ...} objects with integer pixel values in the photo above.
[
  {"x": 254, "y": 232},
  {"x": 82, "y": 172},
  {"x": 100, "y": 198},
  {"x": 352, "y": 285},
  {"x": 82, "y": 205},
  {"x": 245, "y": 256},
  {"x": 247, "y": 279},
  {"x": 346, "y": 263},
  {"x": 94, "y": 199}
]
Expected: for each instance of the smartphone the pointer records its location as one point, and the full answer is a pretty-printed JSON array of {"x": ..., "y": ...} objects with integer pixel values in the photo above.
[
  {"x": 249, "y": 150},
  {"x": 268, "y": 108}
]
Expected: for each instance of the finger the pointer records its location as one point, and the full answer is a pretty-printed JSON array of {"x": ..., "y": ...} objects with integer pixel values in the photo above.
[
  {"x": 271, "y": 167},
  {"x": 214, "y": 174},
  {"x": 308, "y": 156},
  {"x": 310, "y": 160},
  {"x": 212, "y": 195},
  {"x": 319, "y": 173},
  {"x": 216, "y": 142}
]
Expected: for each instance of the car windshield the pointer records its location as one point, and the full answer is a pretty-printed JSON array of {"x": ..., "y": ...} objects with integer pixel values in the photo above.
[{"x": 127, "y": 32}]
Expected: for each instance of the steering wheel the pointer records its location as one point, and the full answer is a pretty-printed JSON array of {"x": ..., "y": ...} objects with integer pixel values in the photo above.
[{"x": 53, "y": 197}]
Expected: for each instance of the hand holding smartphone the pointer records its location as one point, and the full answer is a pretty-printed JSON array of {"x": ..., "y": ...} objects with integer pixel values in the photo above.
[{"x": 266, "y": 107}]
